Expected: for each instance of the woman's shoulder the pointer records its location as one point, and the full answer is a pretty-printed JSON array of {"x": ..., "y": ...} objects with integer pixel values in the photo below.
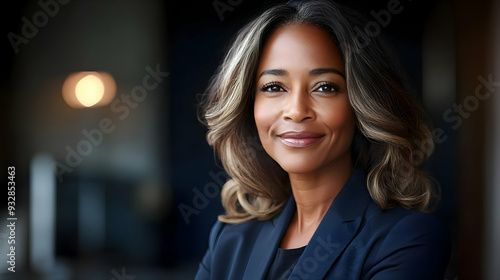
[
  {"x": 397, "y": 218},
  {"x": 243, "y": 229},
  {"x": 407, "y": 240},
  {"x": 396, "y": 228},
  {"x": 228, "y": 247}
]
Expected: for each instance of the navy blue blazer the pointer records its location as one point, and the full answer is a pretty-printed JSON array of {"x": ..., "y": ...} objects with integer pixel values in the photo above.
[{"x": 355, "y": 240}]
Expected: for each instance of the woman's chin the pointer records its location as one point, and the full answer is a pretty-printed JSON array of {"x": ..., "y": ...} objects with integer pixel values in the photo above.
[{"x": 298, "y": 167}]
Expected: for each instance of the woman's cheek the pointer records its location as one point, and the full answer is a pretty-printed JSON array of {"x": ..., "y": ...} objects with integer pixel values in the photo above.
[{"x": 265, "y": 117}]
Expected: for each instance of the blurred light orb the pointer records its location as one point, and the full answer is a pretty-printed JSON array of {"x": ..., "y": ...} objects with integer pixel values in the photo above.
[{"x": 88, "y": 89}]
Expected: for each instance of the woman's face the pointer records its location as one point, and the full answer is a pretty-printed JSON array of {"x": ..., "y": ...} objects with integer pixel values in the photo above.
[{"x": 302, "y": 111}]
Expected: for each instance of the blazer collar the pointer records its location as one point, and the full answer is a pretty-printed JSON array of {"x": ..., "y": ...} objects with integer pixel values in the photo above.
[
  {"x": 353, "y": 198},
  {"x": 335, "y": 231},
  {"x": 268, "y": 242}
]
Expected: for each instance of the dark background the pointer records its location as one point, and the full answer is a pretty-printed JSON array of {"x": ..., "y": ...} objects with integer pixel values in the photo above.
[{"x": 141, "y": 201}]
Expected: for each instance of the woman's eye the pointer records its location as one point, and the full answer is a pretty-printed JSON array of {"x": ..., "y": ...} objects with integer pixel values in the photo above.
[
  {"x": 327, "y": 87},
  {"x": 272, "y": 88}
]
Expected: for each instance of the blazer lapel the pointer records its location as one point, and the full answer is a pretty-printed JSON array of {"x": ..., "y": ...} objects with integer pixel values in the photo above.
[
  {"x": 336, "y": 230},
  {"x": 268, "y": 241}
]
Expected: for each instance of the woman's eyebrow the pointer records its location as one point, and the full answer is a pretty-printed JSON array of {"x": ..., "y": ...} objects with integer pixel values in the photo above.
[
  {"x": 313, "y": 72},
  {"x": 277, "y": 72},
  {"x": 319, "y": 71}
]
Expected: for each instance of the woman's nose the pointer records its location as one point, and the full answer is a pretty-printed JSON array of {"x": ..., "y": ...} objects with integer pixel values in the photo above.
[{"x": 298, "y": 107}]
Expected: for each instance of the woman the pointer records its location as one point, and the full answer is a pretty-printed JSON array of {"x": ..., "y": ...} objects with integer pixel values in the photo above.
[{"x": 324, "y": 146}]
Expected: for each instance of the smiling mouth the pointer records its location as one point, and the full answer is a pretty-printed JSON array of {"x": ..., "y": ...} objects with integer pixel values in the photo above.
[{"x": 300, "y": 139}]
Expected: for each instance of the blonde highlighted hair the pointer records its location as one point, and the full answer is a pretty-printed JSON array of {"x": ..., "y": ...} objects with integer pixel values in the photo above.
[{"x": 391, "y": 140}]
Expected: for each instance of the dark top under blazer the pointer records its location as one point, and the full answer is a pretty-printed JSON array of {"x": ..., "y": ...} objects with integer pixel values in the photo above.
[{"x": 355, "y": 240}]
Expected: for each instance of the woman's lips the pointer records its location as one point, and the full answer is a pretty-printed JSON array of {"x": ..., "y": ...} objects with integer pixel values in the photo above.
[{"x": 300, "y": 139}]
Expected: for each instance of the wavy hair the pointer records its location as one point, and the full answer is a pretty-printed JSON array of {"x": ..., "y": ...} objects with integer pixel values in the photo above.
[{"x": 391, "y": 140}]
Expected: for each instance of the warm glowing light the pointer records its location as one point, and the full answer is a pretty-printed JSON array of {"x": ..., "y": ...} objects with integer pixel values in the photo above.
[{"x": 89, "y": 90}]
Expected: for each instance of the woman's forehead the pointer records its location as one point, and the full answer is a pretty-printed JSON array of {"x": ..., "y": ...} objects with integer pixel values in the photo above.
[{"x": 300, "y": 46}]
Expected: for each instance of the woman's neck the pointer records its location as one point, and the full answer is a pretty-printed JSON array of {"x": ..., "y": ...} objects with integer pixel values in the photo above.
[{"x": 314, "y": 193}]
